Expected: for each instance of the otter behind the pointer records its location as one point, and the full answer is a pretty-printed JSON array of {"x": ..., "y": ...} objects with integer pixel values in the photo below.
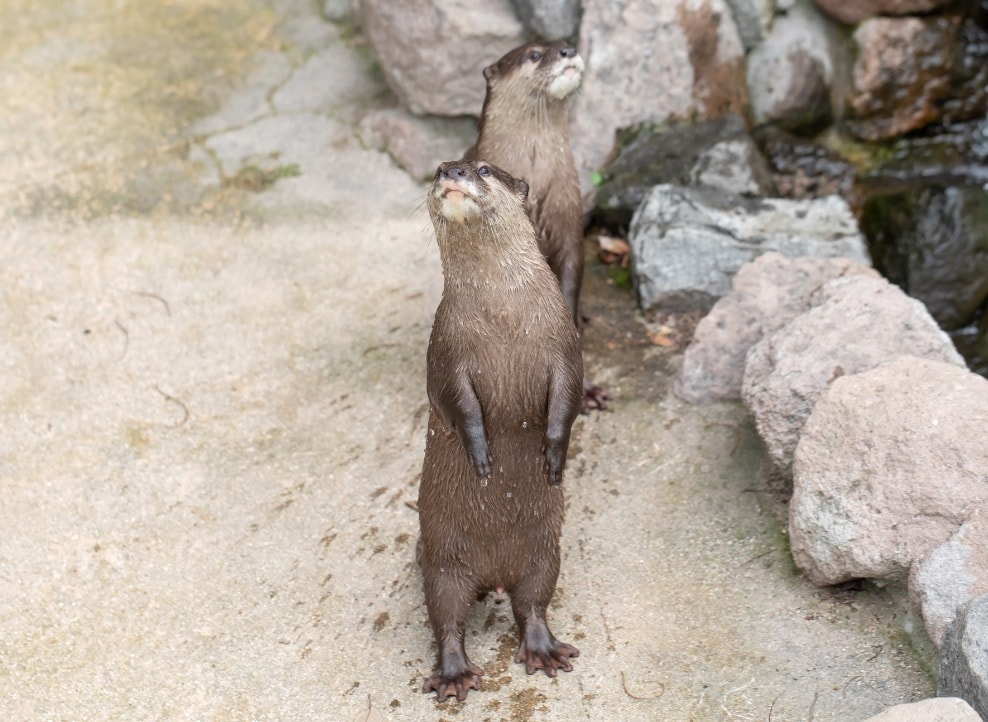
[
  {"x": 504, "y": 385},
  {"x": 524, "y": 129}
]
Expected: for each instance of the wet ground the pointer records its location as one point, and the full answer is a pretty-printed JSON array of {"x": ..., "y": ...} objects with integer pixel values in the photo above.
[{"x": 215, "y": 307}]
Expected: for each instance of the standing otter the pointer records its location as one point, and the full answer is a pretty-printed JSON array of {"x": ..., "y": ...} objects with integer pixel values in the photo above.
[
  {"x": 525, "y": 130},
  {"x": 504, "y": 384}
]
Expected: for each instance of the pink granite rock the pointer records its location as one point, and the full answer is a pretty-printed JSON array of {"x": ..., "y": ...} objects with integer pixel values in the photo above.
[
  {"x": 766, "y": 294},
  {"x": 890, "y": 464},
  {"x": 855, "y": 323}
]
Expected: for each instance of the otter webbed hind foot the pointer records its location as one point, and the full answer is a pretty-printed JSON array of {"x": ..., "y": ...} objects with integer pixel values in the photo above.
[
  {"x": 454, "y": 683},
  {"x": 540, "y": 650}
]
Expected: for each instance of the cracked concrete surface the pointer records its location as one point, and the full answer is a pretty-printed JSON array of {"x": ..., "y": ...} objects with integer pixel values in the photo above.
[{"x": 215, "y": 307}]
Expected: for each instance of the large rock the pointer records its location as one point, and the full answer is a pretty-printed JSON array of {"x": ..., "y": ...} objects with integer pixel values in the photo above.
[
  {"x": 433, "y": 53},
  {"x": 963, "y": 670},
  {"x": 652, "y": 61},
  {"x": 937, "y": 709},
  {"x": 718, "y": 153},
  {"x": 766, "y": 294},
  {"x": 687, "y": 243},
  {"x": 550, "y": 19},
  {"x": 790, "y": 73},
  {"x": 856, "y": 323},
  {"x": 417, "y": 144},
  {"x": 903, "y": 74},
  {"x": 889, "y": 465},
  {"x": 950, "y": 575},
  {"x": 852, "y": 12}
]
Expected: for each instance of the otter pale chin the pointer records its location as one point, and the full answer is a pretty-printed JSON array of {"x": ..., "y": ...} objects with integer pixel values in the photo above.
[
  {"x": 524, "y": 129},
  {"x": 504, "y": 382}
]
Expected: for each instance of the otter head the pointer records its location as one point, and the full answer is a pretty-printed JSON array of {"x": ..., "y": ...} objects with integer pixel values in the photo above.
[
  {"x": 464, "y": 192},
  {"x": 554, "y": 69}
]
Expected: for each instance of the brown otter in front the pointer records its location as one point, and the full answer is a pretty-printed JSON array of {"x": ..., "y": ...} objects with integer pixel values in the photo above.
[
  {"x": 525, "y": 130},
  {"x": 504, "y": 383}
]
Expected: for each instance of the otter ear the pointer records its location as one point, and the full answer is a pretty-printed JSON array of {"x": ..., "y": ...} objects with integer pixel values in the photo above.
[
  {"x": 521, "y": 189},
  {"x": 490, "y": 72}
]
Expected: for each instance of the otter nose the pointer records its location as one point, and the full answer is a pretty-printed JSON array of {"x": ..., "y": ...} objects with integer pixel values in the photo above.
[
  {"x": 455, "y": 172},
  {"x": 568, "y": 52}
]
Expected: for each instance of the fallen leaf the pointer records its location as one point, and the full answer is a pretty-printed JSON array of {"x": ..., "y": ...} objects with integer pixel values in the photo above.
[{"x": 370, "y": 714}]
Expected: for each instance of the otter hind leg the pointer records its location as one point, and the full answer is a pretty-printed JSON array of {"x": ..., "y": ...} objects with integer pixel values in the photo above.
[
  {"x": 539, "y": 649},
  {"x": 448, "y": 603}
]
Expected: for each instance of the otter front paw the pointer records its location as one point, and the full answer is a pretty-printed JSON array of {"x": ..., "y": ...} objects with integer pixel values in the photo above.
[
  {"x": 454, "y": 685},
  {"x": 549, "y": 657}
]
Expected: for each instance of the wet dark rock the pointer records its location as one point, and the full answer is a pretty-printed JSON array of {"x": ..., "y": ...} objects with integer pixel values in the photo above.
[
  {"x": 803, "y": 169},
  {"x": 963, "y": 670},
  {"x": 714, "y": 152},
  {"x": 952, "y": 155},
  {"x": 969, "y": 90},
  {"x": 687, "y": 243},
  {"x": 549, "y": 19},
  {"x": 933, "y": 242}
]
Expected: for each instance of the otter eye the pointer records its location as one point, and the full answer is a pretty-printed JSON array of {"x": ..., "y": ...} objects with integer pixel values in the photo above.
[
  {"x": 535, "y": 56},
  {"x": 484, "y": 170}
]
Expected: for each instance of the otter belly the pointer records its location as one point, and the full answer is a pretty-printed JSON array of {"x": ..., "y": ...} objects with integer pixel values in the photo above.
[{"x": 490, "y": 530}]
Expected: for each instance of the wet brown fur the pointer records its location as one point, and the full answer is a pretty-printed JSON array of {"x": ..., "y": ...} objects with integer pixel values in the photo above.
[
  {"x": 504, "y": 383},
  {"x": 525, "y": 131}
]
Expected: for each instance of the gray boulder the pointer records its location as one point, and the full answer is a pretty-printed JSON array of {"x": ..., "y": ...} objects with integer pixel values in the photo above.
[
  {"x": 651, "y": 62},
  {"x": 687, "y": 243},
  {"x": 963, "y": 670},
  {"x": 417, "y": 144},
  {"x": 766, "y": 294},
  {"x": 549, "y": 19},
  {"x": 753, "y": 18},
  {"x": 719, "y": 153},
  {"x": 855, "y": 324},
  {"x": 889, "y": 465},
  {"x": 950, "y": 575},
  {"x": 433, "y": 53},
  {"x": 791, "y": 71}
]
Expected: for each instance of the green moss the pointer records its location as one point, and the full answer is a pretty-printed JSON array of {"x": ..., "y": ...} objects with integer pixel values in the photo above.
[
  {"x": 255, "y": 179},
  {"x": 621, "y": 277}
]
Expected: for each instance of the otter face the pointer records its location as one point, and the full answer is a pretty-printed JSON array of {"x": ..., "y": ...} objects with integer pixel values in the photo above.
[
  {"x": 463, "y": 190},
  {"x": 554, "y": 68}
]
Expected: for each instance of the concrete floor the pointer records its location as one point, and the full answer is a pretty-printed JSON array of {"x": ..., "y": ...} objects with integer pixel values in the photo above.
[{"x": 214, "y": 306}]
